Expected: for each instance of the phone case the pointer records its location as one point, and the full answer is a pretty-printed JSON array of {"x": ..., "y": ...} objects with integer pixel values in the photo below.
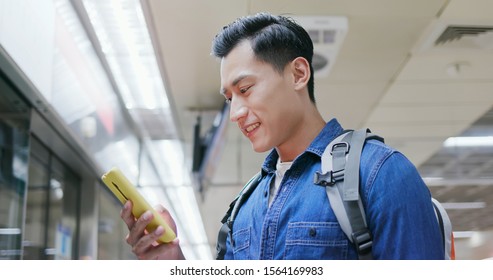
[{"x": 124, "y": 190}]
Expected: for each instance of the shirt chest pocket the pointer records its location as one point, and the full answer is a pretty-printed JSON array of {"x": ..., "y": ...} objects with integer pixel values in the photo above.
[
  {"x": 241, "y": 243},
  {"x": 315, "y": 240}
]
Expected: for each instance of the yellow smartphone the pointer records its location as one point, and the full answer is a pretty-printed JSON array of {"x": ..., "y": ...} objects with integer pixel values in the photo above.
[{"x": 124, "y": 190}]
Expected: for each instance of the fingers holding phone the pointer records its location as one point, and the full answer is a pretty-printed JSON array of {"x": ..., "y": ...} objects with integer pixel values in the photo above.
[{"x": 147, "y": 245}]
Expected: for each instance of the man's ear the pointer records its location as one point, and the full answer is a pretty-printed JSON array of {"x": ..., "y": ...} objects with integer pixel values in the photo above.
[{"x": 301, "y": 71}]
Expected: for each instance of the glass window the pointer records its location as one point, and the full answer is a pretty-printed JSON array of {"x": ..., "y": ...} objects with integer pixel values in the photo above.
[
  {"x": 111, "y": 230},
  {"x": 14, "y": 143},
  {"x": 64, "y": 211},
  {"x": 52, "y": 211},
  {"x": 36, "y": 211}
]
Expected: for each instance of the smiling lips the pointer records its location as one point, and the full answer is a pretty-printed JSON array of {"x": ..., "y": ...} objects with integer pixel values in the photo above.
[{"x": 251, "y": 128}]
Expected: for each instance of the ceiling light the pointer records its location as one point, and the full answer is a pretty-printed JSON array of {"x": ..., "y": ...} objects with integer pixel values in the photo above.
[
  {"x": 125, "y": 41},
  {"x": 440, "y": 182},
  {"x": 463, "y": 205},
  {"x": 479, "y": 141},
  {"x": 463, "y": 234}
]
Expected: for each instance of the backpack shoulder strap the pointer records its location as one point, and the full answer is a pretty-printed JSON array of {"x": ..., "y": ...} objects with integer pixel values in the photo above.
[
  {"x": 340, "y": 176},
  {"x": 228, "y": 219},
  {"x": 446, "y": 229}
]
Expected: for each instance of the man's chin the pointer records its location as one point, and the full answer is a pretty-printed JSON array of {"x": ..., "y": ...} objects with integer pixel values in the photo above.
[{"x": 261, "y": 149}]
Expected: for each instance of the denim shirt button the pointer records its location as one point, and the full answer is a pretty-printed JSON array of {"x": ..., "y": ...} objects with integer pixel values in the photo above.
[{"x": 313, "y": 232}]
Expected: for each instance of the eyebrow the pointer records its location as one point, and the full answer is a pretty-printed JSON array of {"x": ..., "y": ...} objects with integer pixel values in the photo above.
[{"x": 234, "y": 83}]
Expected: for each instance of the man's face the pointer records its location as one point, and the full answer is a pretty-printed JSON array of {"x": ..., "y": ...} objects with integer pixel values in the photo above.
[{"x": 264, "y": 103}]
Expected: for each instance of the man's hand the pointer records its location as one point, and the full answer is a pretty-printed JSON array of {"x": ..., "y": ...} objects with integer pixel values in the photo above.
[{"x": 144, "y": 244}]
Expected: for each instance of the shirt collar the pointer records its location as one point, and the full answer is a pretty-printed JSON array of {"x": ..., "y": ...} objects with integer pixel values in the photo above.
[{"x": 330, "y": 131}]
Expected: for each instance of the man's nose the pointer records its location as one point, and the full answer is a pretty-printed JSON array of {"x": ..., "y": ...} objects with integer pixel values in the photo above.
[{"x": 237, "y": 111}]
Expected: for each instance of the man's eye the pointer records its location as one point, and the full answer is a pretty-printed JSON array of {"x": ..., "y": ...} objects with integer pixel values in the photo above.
[{"x": 243, "y": 90}]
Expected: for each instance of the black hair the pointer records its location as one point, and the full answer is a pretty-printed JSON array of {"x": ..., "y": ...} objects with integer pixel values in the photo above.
[{"x": 276, "y": 40}]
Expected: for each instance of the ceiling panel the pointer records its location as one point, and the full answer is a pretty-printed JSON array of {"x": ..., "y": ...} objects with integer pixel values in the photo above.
[
  {"x": 413, "y": 132},
  {"x": 425, "y": 114},
  {"x": 350, "y": 103},
  {"x": 477, "y": 10},
  {"x": 424, "y": 94},
  {"x": 475, "y": 65},
  {"x": 356, "y": 8}
]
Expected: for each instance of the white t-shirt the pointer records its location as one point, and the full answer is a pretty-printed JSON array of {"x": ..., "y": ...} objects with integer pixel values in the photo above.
[{"x": 281, "y": 168}]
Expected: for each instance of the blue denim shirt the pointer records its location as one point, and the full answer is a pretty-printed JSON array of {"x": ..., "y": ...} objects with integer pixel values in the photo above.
[{"x": 300, "y": 223}]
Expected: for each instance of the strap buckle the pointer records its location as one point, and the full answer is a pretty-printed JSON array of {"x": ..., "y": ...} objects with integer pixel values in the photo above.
[
  {"x": 363, "y": 242},
  {"x": 340, "y": 145},
  {"x": 328, "y": 178}
]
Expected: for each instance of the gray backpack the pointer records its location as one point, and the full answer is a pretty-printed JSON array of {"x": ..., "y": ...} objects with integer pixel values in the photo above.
[{"x": 340, "y": 177}]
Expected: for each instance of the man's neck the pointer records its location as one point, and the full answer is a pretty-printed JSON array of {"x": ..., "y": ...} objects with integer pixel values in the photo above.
[{"x": 300, "y": 141}]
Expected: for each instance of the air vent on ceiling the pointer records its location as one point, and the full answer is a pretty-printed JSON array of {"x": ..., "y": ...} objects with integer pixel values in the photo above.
[
  {"x": 455, "y": 32},
  {"x": 327, "y": 33},
  {"x": 442, "y": 35}
]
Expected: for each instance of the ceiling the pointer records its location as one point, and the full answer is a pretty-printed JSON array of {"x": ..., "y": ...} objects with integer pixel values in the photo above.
[{"x": 389, "y": 76}]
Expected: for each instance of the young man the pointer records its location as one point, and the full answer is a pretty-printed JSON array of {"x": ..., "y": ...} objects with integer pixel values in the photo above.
[{"x": 267, "y": 76}]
